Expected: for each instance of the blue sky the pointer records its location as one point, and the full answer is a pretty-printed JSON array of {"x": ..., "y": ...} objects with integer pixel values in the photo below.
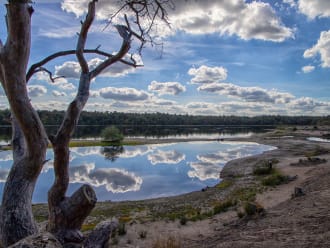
[{"x": 237, "y": 57}]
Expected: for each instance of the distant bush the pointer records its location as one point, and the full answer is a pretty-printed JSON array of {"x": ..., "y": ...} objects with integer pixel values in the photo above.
[{"x": 112, "y": 134}]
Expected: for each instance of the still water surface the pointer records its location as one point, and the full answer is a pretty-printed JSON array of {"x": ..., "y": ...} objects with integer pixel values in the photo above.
[{"x": 141, "y": 172}]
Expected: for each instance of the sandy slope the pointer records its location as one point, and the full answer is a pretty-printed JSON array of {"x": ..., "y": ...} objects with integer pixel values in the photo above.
[{"x": 289, "y": 222}]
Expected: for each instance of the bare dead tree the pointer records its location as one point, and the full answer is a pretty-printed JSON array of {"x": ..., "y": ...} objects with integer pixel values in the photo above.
[{"x": 29, "y": 141}]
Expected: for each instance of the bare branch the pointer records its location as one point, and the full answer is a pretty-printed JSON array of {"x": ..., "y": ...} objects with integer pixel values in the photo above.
[
  {"x": 52, "y": 79},
  {"x": 144, "y": 15},
  {"x": 35, "y": 67},
  {"x": 126, "y": 45},
  {"x": 83, "y": 36}
]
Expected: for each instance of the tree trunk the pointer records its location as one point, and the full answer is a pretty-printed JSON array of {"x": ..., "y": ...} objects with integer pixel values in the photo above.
[
  {"x": 29, "y": 137},
  {"x": 67, "y": 214}
]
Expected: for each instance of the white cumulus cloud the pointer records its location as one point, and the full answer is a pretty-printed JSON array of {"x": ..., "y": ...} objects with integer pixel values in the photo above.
[
  {"x": 123, "y": 94},
  {"x": 247, "y": 20},
  {"x": 166, "y": 88},
  {"x": 322, "y": 48},
  {"x": 307, "y": 104},
  {"x": 308, "y": 68},
  {"x": 205, "y": 74},
  {"x": 250, "y": 94},
  {"x": 314, "y": 8},
  {"x": 58, "y": 93},
  {"x": 254, "y": 20},
  {"x": 36, "y": 90},
  {"x": 71, "y": 69}
]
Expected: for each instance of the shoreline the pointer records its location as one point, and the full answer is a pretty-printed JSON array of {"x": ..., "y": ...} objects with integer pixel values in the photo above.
[{"x": 162, "y": 217}]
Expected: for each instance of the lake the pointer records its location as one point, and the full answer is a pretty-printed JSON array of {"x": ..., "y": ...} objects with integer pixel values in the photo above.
[{"x": 141, "y": 172}]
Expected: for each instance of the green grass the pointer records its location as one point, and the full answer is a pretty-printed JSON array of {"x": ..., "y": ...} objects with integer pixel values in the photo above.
[
  {"x": 245, "y": 194},
  {"x": 224, "y": 184},
  {"x": 275, "y": 179},
  {"x": 223, "y": 206}
]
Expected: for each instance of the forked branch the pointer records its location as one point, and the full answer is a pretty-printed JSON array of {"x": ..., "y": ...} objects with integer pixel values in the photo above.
[{"x": 35, "y": 68}]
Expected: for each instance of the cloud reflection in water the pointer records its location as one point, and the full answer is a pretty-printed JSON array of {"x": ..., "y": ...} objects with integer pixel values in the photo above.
[
  {"x": 114, "y": 179},
  {"x": 209, "y": 165},
  {"x": 204, "y": 170},
  {"x": 166, "y": 157}
]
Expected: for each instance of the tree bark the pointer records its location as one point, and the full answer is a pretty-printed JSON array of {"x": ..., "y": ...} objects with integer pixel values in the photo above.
[
  {"x": 67, "y": 214},
  {"x": 29, "y": 148}
]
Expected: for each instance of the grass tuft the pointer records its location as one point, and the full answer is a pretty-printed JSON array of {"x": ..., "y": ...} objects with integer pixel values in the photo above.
[{"x": 275, "y": 179}]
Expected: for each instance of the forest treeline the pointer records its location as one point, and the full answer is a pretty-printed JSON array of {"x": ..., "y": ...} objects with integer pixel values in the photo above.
[{"x": 117, "y": 118}]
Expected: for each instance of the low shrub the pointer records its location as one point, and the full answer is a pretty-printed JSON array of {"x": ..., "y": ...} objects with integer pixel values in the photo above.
[
  {"x": 183, "y": 220},
  {"x": 223, "y": 206},
  {"x": 252, "y": 208},
  {"x": 274, "y": 179}
]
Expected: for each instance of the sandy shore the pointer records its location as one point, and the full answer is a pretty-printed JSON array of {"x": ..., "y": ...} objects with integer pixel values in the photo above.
[{"x": 185, "y": 220}]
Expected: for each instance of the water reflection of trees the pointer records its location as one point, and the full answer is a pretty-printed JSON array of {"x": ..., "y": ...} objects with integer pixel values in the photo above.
[
  {"x": 158, "y": 131},
  {"x": 112, "y": 152}
]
